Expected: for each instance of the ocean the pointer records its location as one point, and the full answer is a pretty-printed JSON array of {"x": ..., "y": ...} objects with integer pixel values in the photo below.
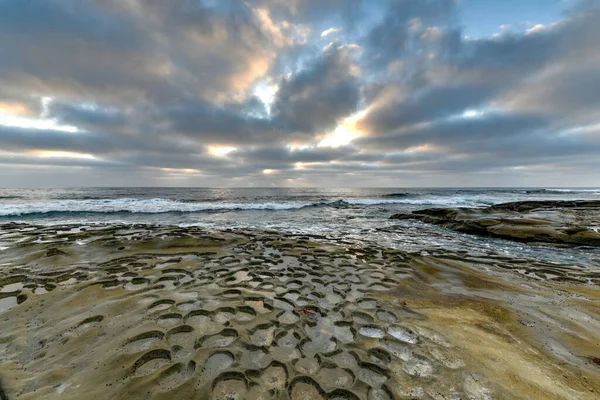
[{"x": 355, "y": 215}]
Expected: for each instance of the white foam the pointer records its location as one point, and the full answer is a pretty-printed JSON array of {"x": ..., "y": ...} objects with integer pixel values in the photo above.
[
  {"x": 131, "y": 205},
  {"x": 572, "y": 190},
  {"x": 443, "y": 202}
]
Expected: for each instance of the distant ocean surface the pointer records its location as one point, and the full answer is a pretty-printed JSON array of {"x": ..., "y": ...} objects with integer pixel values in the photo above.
[{"x": 350, "y": 214}]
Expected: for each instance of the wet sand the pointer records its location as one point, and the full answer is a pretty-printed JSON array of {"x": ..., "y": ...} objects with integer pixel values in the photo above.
[{"x": 126, "y": 312}]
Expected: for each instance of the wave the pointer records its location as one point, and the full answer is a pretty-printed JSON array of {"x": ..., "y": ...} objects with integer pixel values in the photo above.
[
  {"x": 333, "y": 204},
  {"x": 132, "y": 205},
  {"x": 440, "y": 202},
  {"x": 160, "y": 205},
  {"x": 563, "y": 191},
  {"x": 400, "y": 195}
]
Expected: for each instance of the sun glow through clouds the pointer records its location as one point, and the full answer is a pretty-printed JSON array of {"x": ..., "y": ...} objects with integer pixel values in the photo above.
[
  {"x": 180, "y": 170},
  {"x": 345, "y": 132},
  {"x": 220, "y": 151},
  {"x": 16, "y": 115},
  {"x": 266, "y": 92},
  {"x": 35, "y": 123},
  {"x": 60, "y": 154},
  {"x": 470, "y": 114}
]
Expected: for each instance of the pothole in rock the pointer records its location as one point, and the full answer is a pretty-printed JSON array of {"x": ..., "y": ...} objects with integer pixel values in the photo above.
[
  {"x": 262, "y": 335},
  {"x": 362, "y": 318},
  {"x": 223, "y": 314},
  {"x": 12, "y": 287},
  {"x": 254, "y": 357},
  {"x": 371, "y": 331},
  {"x": 287, "y": 318},
  {"x": 160, "y": 305},
  {"x": 367, "y": 304},
  {"x": 7, "y": 303},
  {"x": 372, "y": 374},
  {"x": 88, "y": 323},
  {"x": 182, "y": 335},
  {"x": 386, "y": 316},
  {"x": 307, "y": 365},
  {"x": 344, "y": 332},
  {"x": 136, "y": 284},
  {"x": 383, "y": 394},
  {"x": 397, "y": 348},
  {"x": 230, "y": 386},
  {"x": 169, "y": 320},
  {"x": 335, "y": 377},
  {"x": 403, "y": 334},
  {"x": 245, "y": 314},
  {"x": 305, "y": 388},
  {"x": 187, "y": 306},
  {"x": 222, "y": 339},
  {"x": 176, "y": 375},
  {"x": 379, "y": 356},
  {"x": 344, "y": 359},
  {"x": 418, "y": 366},
  {"x": 143, "y": 341},
  {"x": 273, "y": 377},
  {"x": 151, "y": 361},
  {"x": 215, "y": 364}
]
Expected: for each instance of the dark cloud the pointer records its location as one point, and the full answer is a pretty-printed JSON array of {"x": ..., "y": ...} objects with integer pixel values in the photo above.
[
  {"x": 460, "y": 132},
  {"x": 318, "y": 95},
  {"x": 87, "y": 115},
  {"x": 289, "y": 155},
  {"x": 430, "y": 104},
  {"x": 130, "y": 51},
  {"x": 411, "y": 27},
  {"x": 231, "y": 124},
  {"x": 22, "y": 139}
]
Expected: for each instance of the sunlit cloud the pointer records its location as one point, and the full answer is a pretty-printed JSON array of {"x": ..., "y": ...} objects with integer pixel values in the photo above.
[
  {"x": 329, "y": 31},
  {"x": 535, "y": 29},
  {"x": 420, "y": 149},
  {"x": 298, "y": 146},
  {"x": 35, "y": 123},
  {"x": 180, "y": 170},
  {"x": 266, "y": 90},
  {"x": 13, "y": 108},
  {"x": 474, "y": 113},
  {"x": 471, "y": 114},
  {"x": 220, "y": 151},
  {"x": 344, "y": 133},
  {"x": 283, "y": 33},
  {"x": 60, "y": 154}
]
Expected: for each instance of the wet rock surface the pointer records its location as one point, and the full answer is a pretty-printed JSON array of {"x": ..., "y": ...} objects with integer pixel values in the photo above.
[
  {"x": 556, "y": 222},
  {"x": 158, "y": 312}
]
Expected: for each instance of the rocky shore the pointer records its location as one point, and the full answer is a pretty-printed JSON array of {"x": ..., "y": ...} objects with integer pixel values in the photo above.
[
  {"x": 158, "y": 312},
  {"x": 557, "y": 222}
]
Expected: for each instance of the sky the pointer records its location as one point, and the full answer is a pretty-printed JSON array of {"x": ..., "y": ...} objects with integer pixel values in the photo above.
[{"x": 299, "y": 93}]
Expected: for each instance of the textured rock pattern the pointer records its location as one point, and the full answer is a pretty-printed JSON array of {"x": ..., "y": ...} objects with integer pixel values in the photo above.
[{"x": 159, "y": 312}]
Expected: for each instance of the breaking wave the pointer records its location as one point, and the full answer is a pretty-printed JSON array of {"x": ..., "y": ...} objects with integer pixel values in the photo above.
[
  {"x": 160, "y": 205},
  {"x": 566, "y": 191}
]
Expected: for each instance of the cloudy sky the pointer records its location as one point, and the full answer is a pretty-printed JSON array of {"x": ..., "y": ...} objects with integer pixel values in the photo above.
[{"x": 299, "y": 93}]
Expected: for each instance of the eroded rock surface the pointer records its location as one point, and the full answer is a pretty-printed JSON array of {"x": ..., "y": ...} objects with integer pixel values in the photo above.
[
  {"x": 556, "y": 222},
  {"x": 109, "y": 312}
]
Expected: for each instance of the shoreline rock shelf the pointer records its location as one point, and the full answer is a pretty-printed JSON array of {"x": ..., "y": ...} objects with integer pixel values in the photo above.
[
  {"x": 571, "y": 223},
  {"x": 164, "y": 312}
]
